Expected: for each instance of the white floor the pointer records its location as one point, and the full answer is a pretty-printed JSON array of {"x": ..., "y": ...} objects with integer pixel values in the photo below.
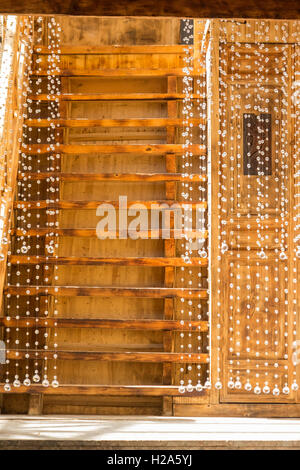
[{"x": 168, "y": 432}]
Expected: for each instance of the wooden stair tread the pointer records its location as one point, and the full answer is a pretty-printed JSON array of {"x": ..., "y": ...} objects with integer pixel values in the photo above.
[
  {"x": 94, "y": 204},
  {"x": 133, "y": 122},
  {"x": 136, "y": 324},
  {"x": 126, "y": 72},
  {"x": 111, "y": 97},
  {"x": 149, "y": 292},
  {"x": 153, "y": 149},
  {"x": 113, "y": 176},
  {"x": 127, "y": 356},
  {"x": 124, "y": 261}
]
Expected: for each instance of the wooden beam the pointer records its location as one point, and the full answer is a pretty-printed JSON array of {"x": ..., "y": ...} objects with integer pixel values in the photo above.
[
  {"x": 128, "y": 356},
  {"x": 148, "y": 324},
  {"x": 134, "y": 261},
  {"x": 153, "y": 149},
  {"x": 141, "y": 122},
  {"x": 153, "y": 205},
  {"x": 112, "y": 177},
  {"x": 67, "y": 291},
  {"x": 163, "y": 8}
]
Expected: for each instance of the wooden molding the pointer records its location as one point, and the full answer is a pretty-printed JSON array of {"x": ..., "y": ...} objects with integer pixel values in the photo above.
[{"x": 177, "y": 8}]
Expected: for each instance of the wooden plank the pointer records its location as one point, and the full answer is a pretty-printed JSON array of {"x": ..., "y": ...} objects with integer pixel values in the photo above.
[
  {"x": 152, "y": 177},
  {"x": 128, "y": 356},
  {"x": 125, "y": 261},
  {"x": 150, "y": 292},
  {"x": 169, "y": 250},
  {"x": 115, "y": 49},
  {"x": 152, "y": 325},
  {"x": 109, "y": 97},
  {"x": 129, "y": 72},
  {"x": 153, "y": 149},
  {"x": 213, "y": 157},
  {"x": 91, "y": 232},
  {"x": 153, "y": 205},
  {"x": 292, "y": 146},
  {"x": 136, "y": 122}
]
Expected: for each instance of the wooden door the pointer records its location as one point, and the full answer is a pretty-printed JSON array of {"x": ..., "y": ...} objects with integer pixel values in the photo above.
[{"x": 259, "y": 318}]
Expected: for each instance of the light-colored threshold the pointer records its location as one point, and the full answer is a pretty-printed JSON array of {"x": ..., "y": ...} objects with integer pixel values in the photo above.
[{"x": 94, "y": 432}]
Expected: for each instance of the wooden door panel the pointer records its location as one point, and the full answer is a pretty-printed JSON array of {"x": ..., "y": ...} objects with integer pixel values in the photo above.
[
  {"x": 246, "y": 203},
  {"x": 255, "y": 320},
  {"x": 243, "y": 396}
]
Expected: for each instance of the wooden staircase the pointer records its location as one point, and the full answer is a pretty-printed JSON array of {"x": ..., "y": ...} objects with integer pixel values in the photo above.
[{"x": 115, "y": 305}]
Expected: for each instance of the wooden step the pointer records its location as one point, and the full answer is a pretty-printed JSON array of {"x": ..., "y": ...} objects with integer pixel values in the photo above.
[
  {"x": 134, "y": 261},
  {"x": 153, "y": 149},
  {"x": 148, "y": 292},
  {"x": 153, "y": 205},
  {"x": 151, "y": 177},
  {"x": 115, "y": 49},
  {"x": 66, "y": 355},
  {"x": 142, "y": 122},
  {"x": 112, "y": 97},
  {"x": 103, "y": 390},
  {"x": 151, "y": 325},
  {"x": 128, "y": 72},
  {"x": 91, "y": 232}
]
